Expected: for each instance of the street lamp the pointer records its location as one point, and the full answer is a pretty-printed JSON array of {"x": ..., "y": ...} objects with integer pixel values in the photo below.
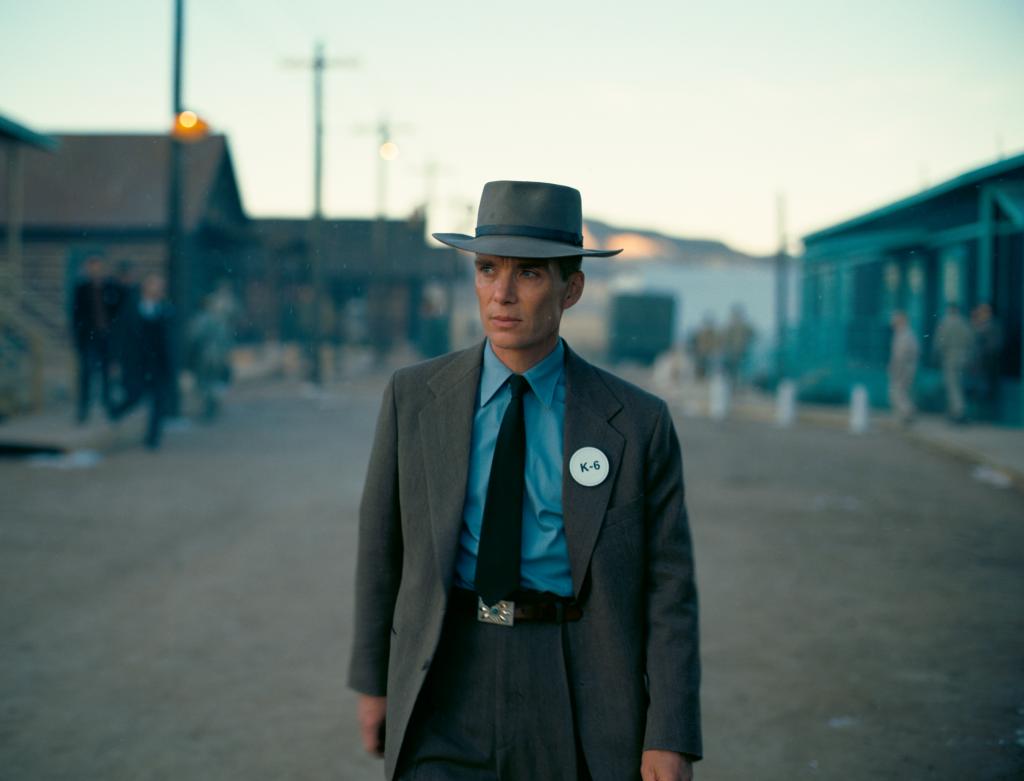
[{"x": 189, "y": 126}]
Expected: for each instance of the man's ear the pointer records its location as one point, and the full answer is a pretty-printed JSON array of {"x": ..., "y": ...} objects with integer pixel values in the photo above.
[{"x": 573, "y": 289}]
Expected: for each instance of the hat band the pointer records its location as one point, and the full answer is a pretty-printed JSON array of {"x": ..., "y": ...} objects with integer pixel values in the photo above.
[{"x": 565, "y": 237}]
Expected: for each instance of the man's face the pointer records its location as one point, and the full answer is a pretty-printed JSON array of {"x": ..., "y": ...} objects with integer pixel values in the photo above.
[
  {"x": 154, "y": 287},
  {"x": 522, "y": 301},
  {"x": 94, "y": 268}
]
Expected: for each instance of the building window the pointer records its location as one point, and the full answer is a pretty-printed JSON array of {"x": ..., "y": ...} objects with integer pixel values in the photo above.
[{"x": 953, "y": 275}]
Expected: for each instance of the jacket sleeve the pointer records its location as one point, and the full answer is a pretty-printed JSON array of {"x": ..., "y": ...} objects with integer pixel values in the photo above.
[
  {"x": 673, "y": 660},
  {"x": 379, "y": 564}
]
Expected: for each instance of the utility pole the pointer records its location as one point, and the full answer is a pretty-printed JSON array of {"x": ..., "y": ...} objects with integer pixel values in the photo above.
[
  {"x": 781, "y": 287},
  {"x": 318, "y": 65},
  {"x": 177, "y": 276},
  {"x": 432, "y": 171},
  {"x": 387, "y": 151}
]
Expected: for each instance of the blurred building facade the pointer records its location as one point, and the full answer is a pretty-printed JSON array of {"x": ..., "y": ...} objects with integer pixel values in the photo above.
[
  {"x": 107, "y": 195},
  {"x": 79, "y": 195},
  {"x": 960, "y": 241},
  {"x": 381, "y": 283},
  {"x": 22, "y": 341}
]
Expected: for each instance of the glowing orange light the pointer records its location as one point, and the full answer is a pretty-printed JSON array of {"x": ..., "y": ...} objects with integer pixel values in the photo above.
[
  {"x": 389, "y": 150},
  {"x": 189, "y": 126}
]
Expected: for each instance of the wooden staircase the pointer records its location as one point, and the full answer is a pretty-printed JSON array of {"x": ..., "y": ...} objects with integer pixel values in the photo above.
[{"x": 35, "y": 356}]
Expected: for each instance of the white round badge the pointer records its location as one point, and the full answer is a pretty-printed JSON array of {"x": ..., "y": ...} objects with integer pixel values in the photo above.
[{"x": 588, "y": 466}]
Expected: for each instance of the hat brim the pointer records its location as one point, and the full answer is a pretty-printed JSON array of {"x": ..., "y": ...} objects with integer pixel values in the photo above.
[{"x": 519, "y": 246}]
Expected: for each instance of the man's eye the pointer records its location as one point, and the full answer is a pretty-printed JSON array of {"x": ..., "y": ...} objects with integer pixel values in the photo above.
[
  {"x": 485, "y": 269},
  {"x": 528, "y": 272}
]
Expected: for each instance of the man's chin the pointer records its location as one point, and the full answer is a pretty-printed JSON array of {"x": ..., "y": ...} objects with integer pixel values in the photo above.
[{"x": 506, "y": 340}]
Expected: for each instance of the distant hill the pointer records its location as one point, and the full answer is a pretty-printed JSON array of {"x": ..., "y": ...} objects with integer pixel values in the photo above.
[{"x": 641, "y": 245}]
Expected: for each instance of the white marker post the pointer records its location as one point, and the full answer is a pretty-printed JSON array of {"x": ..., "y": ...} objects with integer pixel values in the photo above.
[
  {"x": 858, "y": 409},
  {"x": 785, "y": 404},
  {"x": 719, "y": 402}
]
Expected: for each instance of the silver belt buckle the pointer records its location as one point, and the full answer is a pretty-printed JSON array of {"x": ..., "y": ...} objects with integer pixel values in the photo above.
[{"x": 503, "y": 613}]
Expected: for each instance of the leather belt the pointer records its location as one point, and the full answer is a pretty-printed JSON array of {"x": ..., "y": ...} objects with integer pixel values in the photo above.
[{"x": 528, "y": 606}]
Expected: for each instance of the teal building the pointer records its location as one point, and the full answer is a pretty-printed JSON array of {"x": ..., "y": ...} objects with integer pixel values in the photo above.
[{"x": 960, "y": 241}]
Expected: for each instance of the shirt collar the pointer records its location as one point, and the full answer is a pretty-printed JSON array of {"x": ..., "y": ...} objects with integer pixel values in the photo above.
[{"x": 543, "y": 377}]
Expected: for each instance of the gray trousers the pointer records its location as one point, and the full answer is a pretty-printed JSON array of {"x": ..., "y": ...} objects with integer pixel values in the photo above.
[
  {"x": 495, "y": 707},
  {"x": 900, "y": 397},
  {"x": 953, "y": 377}
]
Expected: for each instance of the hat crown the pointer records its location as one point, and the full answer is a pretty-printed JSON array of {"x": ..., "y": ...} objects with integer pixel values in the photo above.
[
  {"x": 527, "y": 220},
  {"x": 532, "y": 205}
]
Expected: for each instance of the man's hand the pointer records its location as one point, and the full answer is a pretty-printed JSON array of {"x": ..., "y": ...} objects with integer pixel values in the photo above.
[
  {"x": 371, "y": 712},
  {"x": 665, "y": 766}
]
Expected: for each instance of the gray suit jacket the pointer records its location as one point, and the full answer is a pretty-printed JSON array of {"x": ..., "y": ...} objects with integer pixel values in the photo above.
[{"x": 633, "y": 657}]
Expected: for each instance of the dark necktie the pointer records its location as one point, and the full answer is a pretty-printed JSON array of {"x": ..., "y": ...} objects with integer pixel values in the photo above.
[{"x": 497, "y": 560}]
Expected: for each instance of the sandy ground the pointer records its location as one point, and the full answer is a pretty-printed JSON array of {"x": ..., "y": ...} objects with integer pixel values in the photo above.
[{"x": 186, "y": 614}]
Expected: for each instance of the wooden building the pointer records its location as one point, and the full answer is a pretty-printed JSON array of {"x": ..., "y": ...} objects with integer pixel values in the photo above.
[
  {"x": 107, "y": 194},
  {"x": 960, "y": 241},
  {"x": 22, "y": 345}
]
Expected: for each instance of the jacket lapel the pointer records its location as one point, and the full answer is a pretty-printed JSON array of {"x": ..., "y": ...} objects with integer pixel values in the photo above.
[
  {"x": 446, "y": 429},
  {"x": 589, "y": 406}
]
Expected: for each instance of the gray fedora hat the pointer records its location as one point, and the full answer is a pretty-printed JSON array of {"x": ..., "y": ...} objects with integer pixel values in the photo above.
[{"x": 527, "y": 220}]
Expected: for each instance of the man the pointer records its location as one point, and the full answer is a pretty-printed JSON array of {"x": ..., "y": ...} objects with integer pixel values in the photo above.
[
  {"x": 147, "y": 347},
  {"x": 707, "y": 346},
  {"x": 988, "y": 353},
  {"x": 209, "y": 352},
  {"x": 903, "y": 357},
  {"x": 93, "y": 308},
  {"x": 128, "y": 293},
  {"x": 953, "y": 340},
  {"x": 525, "y": 600},
  {"x": 736, "y": 342}
]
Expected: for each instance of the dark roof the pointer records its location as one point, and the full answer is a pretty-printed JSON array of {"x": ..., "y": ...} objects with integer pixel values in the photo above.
[
  {"x": 119, "y": 182},
  {"x": 974, "y": 178},
  {"x": 12, "y": 131},
  {"x": 350, "y": 245}
]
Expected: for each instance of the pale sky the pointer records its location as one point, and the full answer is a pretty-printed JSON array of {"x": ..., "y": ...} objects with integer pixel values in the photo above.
[{"x": 683, "y": 117}]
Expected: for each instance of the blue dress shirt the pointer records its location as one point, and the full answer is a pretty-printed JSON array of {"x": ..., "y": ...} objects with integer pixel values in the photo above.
[{"x": 545, "y": 556}]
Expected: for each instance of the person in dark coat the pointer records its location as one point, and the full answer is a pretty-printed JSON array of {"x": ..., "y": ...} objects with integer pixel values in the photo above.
[
  {"x": 128, "y": 295},
  {"x": 93, "y": 309},
  {"x": 148, "y": 350},
  {"x": 987, "y": 359}
]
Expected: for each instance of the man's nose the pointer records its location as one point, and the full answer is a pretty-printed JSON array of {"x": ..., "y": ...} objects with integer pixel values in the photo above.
[{"x": 505, "y": 288}]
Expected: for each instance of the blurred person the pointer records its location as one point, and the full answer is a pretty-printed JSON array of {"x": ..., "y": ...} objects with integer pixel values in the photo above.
[
  {"x": 904, "y": 354},
  {"x": 525, "y": 602},
  {"x": 148, "y": 347},
  {"x": 706, "y": 346},
  {"x": 953, "y": 342},
  {"x": 987, "y": 359},
  {"x": 434, "y": 322},
  {"x": 226, "y": 304},
  {"x": 209, "y": 350},
  {"x": 127, "y": 303},
  {"x": 94, "y": 306},
  {"x": 736, "y": 340}
]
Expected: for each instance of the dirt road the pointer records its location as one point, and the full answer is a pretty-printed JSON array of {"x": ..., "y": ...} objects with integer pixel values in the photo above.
[{"x": 186, "y": 614}]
